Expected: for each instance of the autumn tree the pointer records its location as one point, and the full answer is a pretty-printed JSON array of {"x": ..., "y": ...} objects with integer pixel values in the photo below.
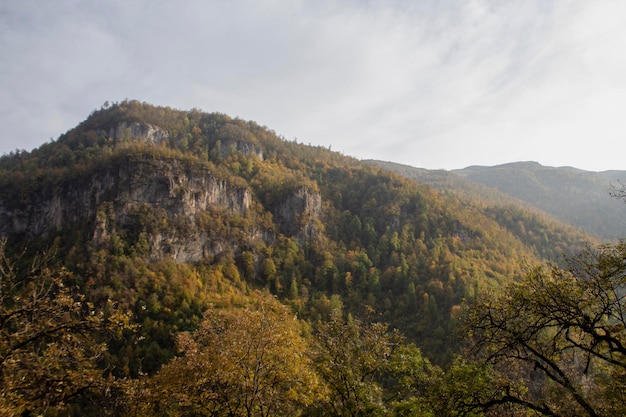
[
  {"x": 559, "y": 336},
  {"x": 246, "y": 361},
  {"x": 430, "y": 391},
  {"x": 50, "y": 339},
  {"x": 357, "y": 360}
]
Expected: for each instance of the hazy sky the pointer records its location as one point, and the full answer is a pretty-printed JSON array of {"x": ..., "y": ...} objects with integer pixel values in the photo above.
[{"x": 433, "y": 84}]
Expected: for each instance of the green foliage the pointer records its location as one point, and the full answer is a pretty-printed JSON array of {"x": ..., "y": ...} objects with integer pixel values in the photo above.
[
  {"x": 51, "y": 340},
  {"x": 326, "y": 235},
  {"x": 377, "y": 242},
  {"x": 244, "y": 361},
  {"x": 352, "y": 358},
  {"x": 558, "y": 336}
]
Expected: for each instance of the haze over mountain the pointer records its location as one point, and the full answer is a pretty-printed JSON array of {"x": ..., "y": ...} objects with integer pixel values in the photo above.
[{"x": 578, "y": 197}]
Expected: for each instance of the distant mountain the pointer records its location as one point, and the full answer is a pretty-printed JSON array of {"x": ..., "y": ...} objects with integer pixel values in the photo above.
[{"x": 577, "y": 197}]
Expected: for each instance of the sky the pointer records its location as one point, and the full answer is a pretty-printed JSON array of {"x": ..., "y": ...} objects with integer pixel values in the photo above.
[{"x": 437, "y": 84}]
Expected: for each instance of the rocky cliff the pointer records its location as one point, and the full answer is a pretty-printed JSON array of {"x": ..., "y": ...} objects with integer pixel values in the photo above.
[
  {"x": 175, "y": 203},
  {"x": 299, "y": 215},
  {"x": 138, "y": 131}
]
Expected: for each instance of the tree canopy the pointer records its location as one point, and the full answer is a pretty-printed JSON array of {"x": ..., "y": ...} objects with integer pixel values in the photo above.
[{"x": 558, "y": 337}]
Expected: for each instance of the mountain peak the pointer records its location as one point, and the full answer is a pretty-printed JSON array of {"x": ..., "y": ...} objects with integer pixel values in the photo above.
[{"x": 518, "y": 165}]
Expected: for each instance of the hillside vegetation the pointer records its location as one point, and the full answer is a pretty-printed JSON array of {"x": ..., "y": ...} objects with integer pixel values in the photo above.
[
  {"x": 573, "y": 196},
  {"x": 195, "y": 232}
]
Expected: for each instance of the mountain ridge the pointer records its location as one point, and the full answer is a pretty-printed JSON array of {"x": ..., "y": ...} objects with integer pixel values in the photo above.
[
  {"x": 578, "y": 197},
  {"x": 159, "y": 209}
]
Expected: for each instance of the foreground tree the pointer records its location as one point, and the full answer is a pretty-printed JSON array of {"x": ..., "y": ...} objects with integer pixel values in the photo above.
[
  {"x": 51, "y": 340},
  {"x": 558, "y": 338},
  {"x": 369, "y": 370},
  {"x": 248, "y": 361},
  {"x": 351, "y": 357}
]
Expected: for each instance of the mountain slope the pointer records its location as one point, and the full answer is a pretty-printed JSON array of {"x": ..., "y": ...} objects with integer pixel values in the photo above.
[
  {"x": 575, "y": 196},
  {"x": 166, "y": 211},
  {"x": 580, "y": 198}
]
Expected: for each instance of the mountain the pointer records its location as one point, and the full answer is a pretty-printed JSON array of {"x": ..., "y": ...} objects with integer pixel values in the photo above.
[
  {"x": 577, "y": 197},
  {"x": 156, "y": 261},
  {"x": 168, "y": 212}
]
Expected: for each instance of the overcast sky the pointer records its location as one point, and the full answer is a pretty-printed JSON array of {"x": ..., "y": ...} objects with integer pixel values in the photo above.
[{"x": 433, "y": 84}]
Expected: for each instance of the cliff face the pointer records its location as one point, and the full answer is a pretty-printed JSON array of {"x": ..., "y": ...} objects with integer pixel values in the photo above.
[
  {"x": 111, "y": 199},
  {"x": 173, "y": 202},
  {"x": 165, "y": 183},
  {"x": 168, "y": 199},
  {"x": 299, "y": 214},
  {"x": 138, "y": 131},
  {"x": 180, "y": 189}
]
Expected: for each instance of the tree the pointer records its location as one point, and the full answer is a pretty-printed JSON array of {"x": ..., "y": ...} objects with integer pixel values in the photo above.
[
  {"x": 50, "y": 339},
  {"x": 559, "y": 336},
  {"x": 431, "y": 392},
  {"x": 248, "y": 361},
  {"x": 352, "y": 358}
]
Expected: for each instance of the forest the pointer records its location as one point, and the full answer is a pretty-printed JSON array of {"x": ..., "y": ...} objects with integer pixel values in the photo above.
[
  {"x": 572, "y": 195},
  {"x": 162, "y": 262}
]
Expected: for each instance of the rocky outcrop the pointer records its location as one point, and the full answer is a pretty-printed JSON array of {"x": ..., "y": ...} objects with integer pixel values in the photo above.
[
  {"x": 247, "y": 149},
  {"x": 179, "y": 188},
  {"x": 112, "y": 199},
  {"x": 138, "y": 131},
  {"x": 165, "y": 207},
  {"x": 299, "y": 214}
]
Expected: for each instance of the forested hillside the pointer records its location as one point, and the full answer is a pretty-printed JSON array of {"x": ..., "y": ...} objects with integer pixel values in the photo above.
[
  {"x": 198, "y": 244},
  {"x": 580, "y": 198}
]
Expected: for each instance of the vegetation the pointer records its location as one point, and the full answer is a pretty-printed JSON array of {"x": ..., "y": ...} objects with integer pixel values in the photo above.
[
  {"x": 52, "y": 340},
  {"x": 557, "y": 338},
  {"x": 248, "y": 360},
  {"x": 262, "y": 277},
  {"x": 579, "y": 198}
]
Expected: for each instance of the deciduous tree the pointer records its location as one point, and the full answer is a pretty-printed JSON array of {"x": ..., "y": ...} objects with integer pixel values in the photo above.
[
  {"x": 352, "y": 357},
  {"x": 248, "y": 361},
  {"x": 562, "y": 332},
  {"x": 50, "y": 339}
]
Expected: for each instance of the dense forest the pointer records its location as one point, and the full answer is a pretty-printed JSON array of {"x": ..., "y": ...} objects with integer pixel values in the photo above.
[{"x": 164, "y": 262}]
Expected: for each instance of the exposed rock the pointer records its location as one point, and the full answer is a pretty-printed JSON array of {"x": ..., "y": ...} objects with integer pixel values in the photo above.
[
  {"x": 138, "y": 131},
  {"x": 179, "y": 188},
  {"x": 111, "y": 199},
  {"x": 299, "y": 215},
  {"x": 247, "y": 149},
  {"x": 169, "y": 207}
]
